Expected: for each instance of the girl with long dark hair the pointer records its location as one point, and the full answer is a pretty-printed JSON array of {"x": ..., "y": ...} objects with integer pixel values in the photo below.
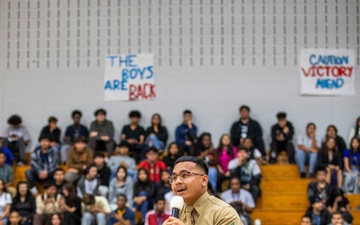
[
  {"x": 330, "y": 158},
  {"x": 24, "y": 203},
  {"x": 355, "y": 131},
  {"x": 225, "y": 152},
  {"x": 144, "y": 191},
  {"x": 5, "y": 203},
  {"x": 121, "y": 184},
  {"x": 71, "y": 205},
  {"x": 332, "y": 132},
  {"x": 156, "y": 135},
  {"x": 173, "y": 154},
  {"x": 351, "y": 157}
]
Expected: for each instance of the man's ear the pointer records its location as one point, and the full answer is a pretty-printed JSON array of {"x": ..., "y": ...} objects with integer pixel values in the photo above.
[{"x": 205, "y": 179}]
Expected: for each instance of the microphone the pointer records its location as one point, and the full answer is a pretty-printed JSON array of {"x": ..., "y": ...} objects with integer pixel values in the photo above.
[{"x": 176, "y": 205}]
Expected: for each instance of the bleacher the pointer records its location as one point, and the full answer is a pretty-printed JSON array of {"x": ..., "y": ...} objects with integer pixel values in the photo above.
[{"x": 283, "y": 199}]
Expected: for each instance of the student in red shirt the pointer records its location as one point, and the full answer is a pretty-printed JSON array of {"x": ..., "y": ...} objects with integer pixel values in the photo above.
[
  {"x": 158, "y": 215},
  {"x": 153, "y": 164}
]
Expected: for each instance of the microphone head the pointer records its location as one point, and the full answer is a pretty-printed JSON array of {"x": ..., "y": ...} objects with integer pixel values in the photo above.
[{"x": 177, "y": 202}]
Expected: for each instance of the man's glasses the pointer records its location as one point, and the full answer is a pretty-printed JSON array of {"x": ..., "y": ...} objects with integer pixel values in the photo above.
[{"x": 183, "y": 175}]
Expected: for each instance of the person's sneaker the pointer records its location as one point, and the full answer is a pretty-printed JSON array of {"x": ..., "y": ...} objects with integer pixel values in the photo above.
[
  {"x": 310, "y": 175},
  {"x": 302, "y": 175},
  {"x": 20, "y": 164},
  {"x": 34, "y": 191}
]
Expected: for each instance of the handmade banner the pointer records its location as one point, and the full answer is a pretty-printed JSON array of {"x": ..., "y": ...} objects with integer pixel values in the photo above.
[
  {"x": 327, "y": 72},
  {"x": 129, "y": 77}
]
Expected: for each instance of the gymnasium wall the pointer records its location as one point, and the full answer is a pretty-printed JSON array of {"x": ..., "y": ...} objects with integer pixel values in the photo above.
[{"x": 211, "y": 57}]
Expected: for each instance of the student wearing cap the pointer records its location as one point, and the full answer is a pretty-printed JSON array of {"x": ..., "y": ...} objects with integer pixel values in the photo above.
[
  {"x": 101, "y": 133},
  {"x": 78, "y": 158},
  {"x": 153, "y": 164},
  {"x": 317, "y": 212},
  {"x": 43, "y": 161},
  {"x": 282, "y": 133},
  {"x": 121, "y": 158}
]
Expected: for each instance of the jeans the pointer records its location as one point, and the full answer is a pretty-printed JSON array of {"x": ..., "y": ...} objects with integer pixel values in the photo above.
[
  {"x": 88, "y": 219},
  {"x": 32, "y": 176},
  {"x": 17, "y": 148},
  {"x": 213, "y": 177},
  {"x": 152, "y": 140},
  {"x": 302, "y": 157},
  {"x": 64, "y": 152},
  {"x": 144, "y": 206}
]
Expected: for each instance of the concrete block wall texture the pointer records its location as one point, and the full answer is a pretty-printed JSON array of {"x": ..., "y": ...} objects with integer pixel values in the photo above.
[{"x": 211, "y": 57}]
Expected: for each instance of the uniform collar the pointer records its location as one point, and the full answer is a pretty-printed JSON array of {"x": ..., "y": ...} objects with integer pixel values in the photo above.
[{"x": 200, "y": 203}]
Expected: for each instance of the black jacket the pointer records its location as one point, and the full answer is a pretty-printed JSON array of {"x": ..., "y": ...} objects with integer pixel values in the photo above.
[
  {"x": 276, "y": 130},
  {"x": 254, "y": 132},
  {"x": 325, "y": 217},
  {"x": 328, "y": 193},
  {"x": 323, "y": 158},
  {"x": 103, "y": 175}
]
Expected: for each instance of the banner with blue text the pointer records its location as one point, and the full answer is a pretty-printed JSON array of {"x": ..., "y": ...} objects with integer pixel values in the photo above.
[
  {"x": 327, "y": 72},
  {"x": 129, "y": 77}
]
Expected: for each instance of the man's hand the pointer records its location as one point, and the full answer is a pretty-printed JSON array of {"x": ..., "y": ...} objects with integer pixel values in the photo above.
[
  {"x": 280, "y": 137},
  {"x": 286, "y": 130},
  {"x": 132, "y": 141},
  {"x": 173, "y": 221},
  {"x": 246, "y": 186},
  {"x": 188, "y": 143},
  {"x": 105, "y": 138},
  {"x": 73, "y": 170},
  {"x": 53, "y": 144},
  {"x": 93, "y": 133},
  {"x": 124, "y": 164},
  {"x": 49, "y": 200}
]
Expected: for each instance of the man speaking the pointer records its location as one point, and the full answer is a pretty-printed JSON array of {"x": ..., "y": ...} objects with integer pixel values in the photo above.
[{"x": 190, "y": 181}]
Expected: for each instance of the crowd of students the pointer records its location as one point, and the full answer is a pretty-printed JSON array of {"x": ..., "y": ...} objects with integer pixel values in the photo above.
[{"x": 110, "y": 182}]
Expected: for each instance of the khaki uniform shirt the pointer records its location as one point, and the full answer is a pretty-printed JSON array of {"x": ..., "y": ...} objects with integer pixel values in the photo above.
[{"x": 209, "y": 210}]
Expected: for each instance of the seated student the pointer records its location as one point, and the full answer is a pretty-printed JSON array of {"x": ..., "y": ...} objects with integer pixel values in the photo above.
[
  {"x": 320, "y": 188},
  {"x": 8, "y": 154},
  {"x": 71, "y": 205},
  {"x": 44, "y": 162},
  {"x": 330, "y": 158},
  {"x": 225, "y": 152},
  {"x": 59, "y": 179},
  {"x": 319, "y": 215},
  {"x": 238, "y": 206},
  {"x": 134, "y": 135},
  {"x": 282, "y": 133},
  {"x": 236, "y": 194},
  {"x": 5, "y": 203},
  {"x": 94, "y": 209},
  {"x": 16, "y": 138},
  {"x": 121, "y": 158},
  {"x": 246, "y": 127},
  {"x": 355, "y": 131},
  {"x": 15, "y": 218},
  {"x": 156, "y": 135},
  {"x": 306, "y": 220},
  {"x": 53, "y": 132},
  {"x": 164, "y": 185},
  {"x": 74, "y": 131},
  {"x": 172, "y": 155},
  {"x": 352, "y": 167},
  {"x": 153, "y": 164},
  {"x": 47, "y": 204},
  {"x": 158, "y": 215},
  {"x": 248, "y": 171},
  {"x": 78, "y": 158},
  {"x": 253, "y": 152},
  {"x": 332, "y": 132},
  {"x": 24, "y": 203},
  {"x": 55, "y": 219},
  {"x": 307, "y": 150},
  {"x": 340, "y": 204},
  {"x": 185, "y": 134},
  {"x": 121, "y": 184},
  {"x": 101, "y": 133},
  {"x": 103, "y": 173},
  {"x": 7, "y": 174},
  {"x": 337, "y": 219},
  {"x": 88, "y": 183},
  {"x": 122, "y": 214},
  {"x": 144, "y": 192}
]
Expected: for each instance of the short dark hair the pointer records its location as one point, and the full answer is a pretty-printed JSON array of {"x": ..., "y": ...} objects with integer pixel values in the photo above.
[
  {"x": 88, "y": 199},
  {"x": 100, "y": 111},
  {"x": 241, "y": 148},
  {"x": 310, "y": 124},
  {"x": 2, "y": 153},
  {"x": 52, "y": 119},
  {"x": 122, "y": 195},
  {"x": 281, "y": 115},
  {"x": 44, "y": 136},
  {"x": 159, "y": 198},
  {"x": 80, "y": 139},
  {"x": 134, "y": 113},
  {"x": 306, "y": 216},
  {"x": 49, "y": 184},
  {"x": 76, "y": 112},
  {"x": 14, "y": 120},
  {"x": 320, "y": 169},
  {"x": 152, "y": 149},
  {"x": 199, "y": 162},
  {"x": 235, "y": 178},
  {"x": 337, "y": 213},
  {"x": 59, "y": 169},
  {"x": 99, "y": 155},
  {"x": 244, "y": 107},
  {"x": 187, "y": 111},
  {"x": 124, "y": 144}
]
